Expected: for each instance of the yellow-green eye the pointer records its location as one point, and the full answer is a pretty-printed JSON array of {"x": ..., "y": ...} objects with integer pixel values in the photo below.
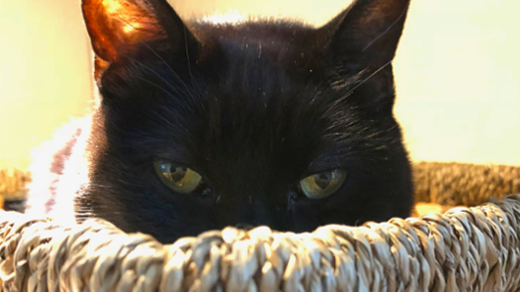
[
  {"x": 178, "y": 178},
  {"x": 323, "y": 184}
]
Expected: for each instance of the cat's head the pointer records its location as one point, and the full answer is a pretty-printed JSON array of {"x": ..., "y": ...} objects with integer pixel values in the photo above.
[{"x": 274, "y": 123}]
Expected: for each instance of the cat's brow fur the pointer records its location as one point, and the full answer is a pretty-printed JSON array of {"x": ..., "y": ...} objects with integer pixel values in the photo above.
[{"x": 254, "y": 108}]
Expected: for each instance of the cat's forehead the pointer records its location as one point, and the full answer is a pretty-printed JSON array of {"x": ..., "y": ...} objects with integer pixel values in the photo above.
[
  {"x": 267, "y": 31},
  {"x": 289, "y": 44},
  {"x": 266, "y": 75}
]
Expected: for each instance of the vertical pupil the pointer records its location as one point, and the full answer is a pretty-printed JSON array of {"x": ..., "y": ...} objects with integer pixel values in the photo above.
[
  {"x": 178, "y": 173},
  {"x": 323, "y": 179}
]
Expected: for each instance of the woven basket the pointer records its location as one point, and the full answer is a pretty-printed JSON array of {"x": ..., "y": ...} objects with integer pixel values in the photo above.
[{"x": 466, "y": 249}]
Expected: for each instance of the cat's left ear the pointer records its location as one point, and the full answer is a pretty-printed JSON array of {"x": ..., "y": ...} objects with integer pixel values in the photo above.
[
  {"x": 366, "y": 34},
  {"x": 118, "y": 27}
]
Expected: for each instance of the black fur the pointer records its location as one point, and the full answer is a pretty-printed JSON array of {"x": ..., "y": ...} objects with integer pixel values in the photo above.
[{"x": 254, "y": 108}]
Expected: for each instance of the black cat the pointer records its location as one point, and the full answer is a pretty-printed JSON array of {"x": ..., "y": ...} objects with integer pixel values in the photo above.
[{"x": 202, "y": 126}]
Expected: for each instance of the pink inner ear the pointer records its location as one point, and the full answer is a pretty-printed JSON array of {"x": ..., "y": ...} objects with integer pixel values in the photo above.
[{"x": 117, "y": 26}]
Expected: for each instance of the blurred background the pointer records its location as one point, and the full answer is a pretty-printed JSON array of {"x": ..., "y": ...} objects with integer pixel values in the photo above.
[{"x": 457, "y": 72}]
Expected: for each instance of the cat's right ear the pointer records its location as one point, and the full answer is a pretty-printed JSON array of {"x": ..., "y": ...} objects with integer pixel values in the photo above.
[
  {"x": 366, "y": 34},
  {"x": 118, "y": 27}
]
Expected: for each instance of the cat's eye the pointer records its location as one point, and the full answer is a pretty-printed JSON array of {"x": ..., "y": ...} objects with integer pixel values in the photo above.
[
  {"x": 178, "y": 178},
  {"x": 323, "y": 184}
]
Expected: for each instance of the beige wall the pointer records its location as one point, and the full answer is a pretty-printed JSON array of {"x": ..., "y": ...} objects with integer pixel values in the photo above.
[
  {"x": 44, "y": 72},
  {"x": 457, "y": 72},
  {"x": 458, "y": 79}
]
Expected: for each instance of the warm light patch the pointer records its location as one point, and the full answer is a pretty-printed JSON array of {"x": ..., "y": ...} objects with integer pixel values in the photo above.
[
  {"x": 124, "y": 14},
  {"x": 231, "y": 17},
  {"x": 44, "y": 187},
  {"x": 112, "y": 6},
  {"x": 128, "y": 28}
]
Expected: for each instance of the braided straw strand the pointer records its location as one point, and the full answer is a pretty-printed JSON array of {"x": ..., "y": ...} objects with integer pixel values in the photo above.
[
  {"x": 454, "y": 184},
  {"x": 466, "y": 249}
]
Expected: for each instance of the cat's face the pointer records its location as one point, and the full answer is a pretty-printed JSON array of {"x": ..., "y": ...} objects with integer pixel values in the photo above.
[{"x": 253, "y": 124}]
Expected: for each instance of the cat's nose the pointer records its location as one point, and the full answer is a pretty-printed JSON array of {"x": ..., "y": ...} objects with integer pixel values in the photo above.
[{"x": 244, "y": 226}]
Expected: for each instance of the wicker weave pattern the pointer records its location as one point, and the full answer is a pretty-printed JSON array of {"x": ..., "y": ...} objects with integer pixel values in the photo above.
[
  {"x": 466, "y": 249},
  {"x": 455, "y": 184}
]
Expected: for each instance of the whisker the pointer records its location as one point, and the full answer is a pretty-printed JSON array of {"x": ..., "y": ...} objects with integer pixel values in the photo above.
[
  {"x": 387, "y": 30},
  {"x": 157, "y": 86},
  {"x": 368, "y": 78},
  {"x": 187, "y": 52},
  {"x": 351, "y": 91},
  {"x": 168, "y": 65},
  {"x": 158, "y": 75}
]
